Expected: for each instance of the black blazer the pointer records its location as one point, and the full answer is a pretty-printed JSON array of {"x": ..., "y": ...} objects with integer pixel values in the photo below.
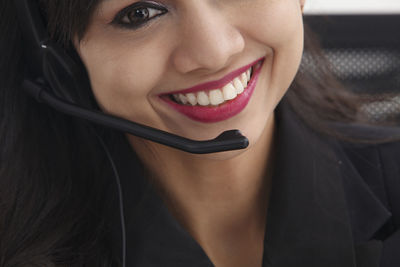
[{"x": 333, "y": 204}]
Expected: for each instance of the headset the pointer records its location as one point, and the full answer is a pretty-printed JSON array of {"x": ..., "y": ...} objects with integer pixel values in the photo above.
[{"x": 53, "y": 76}]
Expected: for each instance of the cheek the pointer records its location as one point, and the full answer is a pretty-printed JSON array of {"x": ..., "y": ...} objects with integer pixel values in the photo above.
[
  {"x": 278, "y": 25},
  {"x": 122, "y": 78},
  {"x": 275, "y": 19}
]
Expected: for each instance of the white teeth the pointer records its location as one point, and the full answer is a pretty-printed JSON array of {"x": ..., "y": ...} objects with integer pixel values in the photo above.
[
  {"x": 192, "y": 99},
  {"x": 238, "y": 86},
  {"x": 216, "y": 97},
  {"x": 183, "y": 99},
  {"x": 248, "y": 75},
  {"x": 243, "y": 79},
  {"x": 202, "y": 99},
  {"x": 229, "y": 91}
]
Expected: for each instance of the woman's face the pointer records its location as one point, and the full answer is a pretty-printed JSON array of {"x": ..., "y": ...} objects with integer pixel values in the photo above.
[{"x": 146, "y": 59}]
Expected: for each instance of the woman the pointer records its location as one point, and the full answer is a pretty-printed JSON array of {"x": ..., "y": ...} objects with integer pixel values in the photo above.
[{"x": 295, "y": 196}]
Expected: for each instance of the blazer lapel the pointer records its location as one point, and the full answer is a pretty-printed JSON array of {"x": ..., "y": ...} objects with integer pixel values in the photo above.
[
  {"x": 307, "y": 222},
  {"x": 310, "y": 221}
]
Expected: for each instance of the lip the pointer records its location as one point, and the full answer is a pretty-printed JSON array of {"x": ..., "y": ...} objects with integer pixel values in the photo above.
[
  {"x": 207, "y": 86},
  {"x": 207, "y": 114}
]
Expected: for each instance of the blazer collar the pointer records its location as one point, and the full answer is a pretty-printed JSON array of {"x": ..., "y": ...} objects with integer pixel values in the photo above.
[{"x": 311, "y": 221}]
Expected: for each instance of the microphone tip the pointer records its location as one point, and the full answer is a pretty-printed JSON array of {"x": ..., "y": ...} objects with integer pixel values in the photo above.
[{"x": 235, "y": 137}]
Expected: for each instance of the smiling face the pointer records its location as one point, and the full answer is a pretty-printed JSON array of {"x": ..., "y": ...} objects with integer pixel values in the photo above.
[{"x": 183, "y": 65}]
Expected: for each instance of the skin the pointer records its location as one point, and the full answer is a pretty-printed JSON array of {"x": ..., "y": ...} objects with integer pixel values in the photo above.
[{"x": 221, "y": 199}]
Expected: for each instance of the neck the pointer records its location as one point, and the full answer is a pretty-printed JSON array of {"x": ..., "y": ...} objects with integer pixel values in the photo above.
[{"x": 217, "y": 201}]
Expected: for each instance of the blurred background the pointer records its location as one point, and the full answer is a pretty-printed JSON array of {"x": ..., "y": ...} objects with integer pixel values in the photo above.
[
  {"x": 352, "y": 7},
  {"x": 361, "y": 41}
]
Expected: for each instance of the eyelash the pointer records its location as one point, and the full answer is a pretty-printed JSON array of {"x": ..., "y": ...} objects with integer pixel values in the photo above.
[{"x": 122, "y": 19}]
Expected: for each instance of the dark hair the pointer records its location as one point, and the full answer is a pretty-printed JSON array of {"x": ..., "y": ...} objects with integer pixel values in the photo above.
[{"x": 51, "y": 185}]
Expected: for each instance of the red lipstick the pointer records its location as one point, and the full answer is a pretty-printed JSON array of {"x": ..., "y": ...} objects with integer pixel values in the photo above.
[{"x": 210, "y": 114}]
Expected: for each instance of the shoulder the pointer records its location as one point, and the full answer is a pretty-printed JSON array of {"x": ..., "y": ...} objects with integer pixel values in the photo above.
[
  {"x": 358, "y": 182},
  {"x": 372, "y": 148},
  {"x": 377, "y": 160},
  {"x": 377, "y": 163},
  {"x": 368, "y": 155}
]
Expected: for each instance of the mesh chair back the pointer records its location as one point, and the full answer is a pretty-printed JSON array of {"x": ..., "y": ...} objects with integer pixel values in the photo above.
[{"x": 364, "y": 52}]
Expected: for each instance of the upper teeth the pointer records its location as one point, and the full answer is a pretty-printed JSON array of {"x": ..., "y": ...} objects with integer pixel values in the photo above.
[{"x": 216, "y": 97}]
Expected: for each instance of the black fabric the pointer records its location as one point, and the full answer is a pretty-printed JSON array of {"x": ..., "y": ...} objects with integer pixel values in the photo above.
[
  {"x": 307, "y": 220},
  {"x": 154, "y": 237},
  {"x": 390, "y": 162},
  {"x": 330, "y": 206}
]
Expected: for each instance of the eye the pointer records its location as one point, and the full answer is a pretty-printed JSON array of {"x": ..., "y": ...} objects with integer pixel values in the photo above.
[{"x": 138, "y": 14}]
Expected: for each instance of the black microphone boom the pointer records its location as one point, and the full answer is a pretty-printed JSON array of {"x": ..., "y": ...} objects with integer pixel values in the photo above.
[{"x": 228, "y": 140}]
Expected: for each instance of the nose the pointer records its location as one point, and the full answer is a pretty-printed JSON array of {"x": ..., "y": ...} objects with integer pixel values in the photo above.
[{"x": 207, "y": 40}]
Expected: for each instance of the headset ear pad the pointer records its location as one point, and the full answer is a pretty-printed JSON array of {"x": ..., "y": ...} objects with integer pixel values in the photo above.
[{"x": 67, "y": 76}]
